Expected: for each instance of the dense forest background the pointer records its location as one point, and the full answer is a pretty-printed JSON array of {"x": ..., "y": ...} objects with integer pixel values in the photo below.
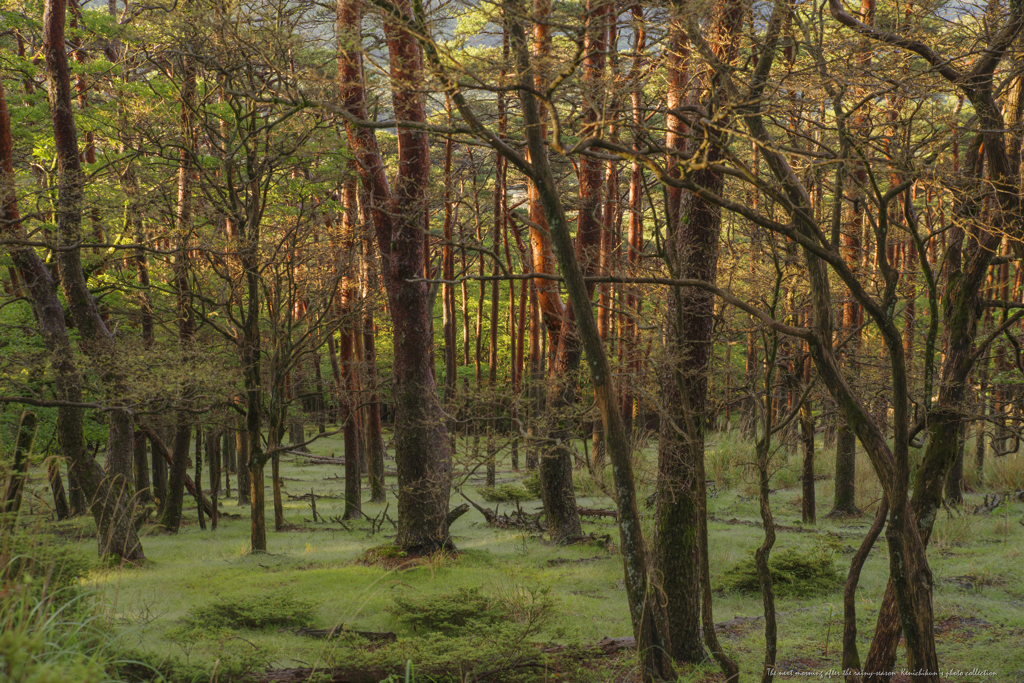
[{"x": 651, "y": 264}]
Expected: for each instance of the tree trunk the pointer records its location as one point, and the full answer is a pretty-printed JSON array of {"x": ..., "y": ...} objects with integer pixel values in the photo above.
[
  {"x": 26, "y": 435},
  {"x": 646, "y": 611},
  {"x": 692, "y": 252},
  {"x": 97, "y": 340},
  {"x": 142, "y": 485},
  {"x": 422, "y": 449},
  {"x": 242, "y": 459},
  {"x": 845, "y": 504},
  {"x": 807, "y": 506},
  {"x": 159, "y": 477},
  {"x": 213, "y": 455},
  {"x": 348, "y": 330},
  {"x": 199, "y": 478},
  {"x": 60, "y": 499}
]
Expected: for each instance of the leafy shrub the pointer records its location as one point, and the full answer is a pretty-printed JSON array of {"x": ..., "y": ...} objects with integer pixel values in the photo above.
[
  {"x": 794, "y": 573},
  {"x": 506, "y": 493},
  {"x": 463, "y": 635},
  {"x": 253, "y": 612},
  {"x": 42, "y": 559},
  {"x": 532, "y": 484},
  {"x": 448, "y": 613},
  {"x": 470, "y": 609}
]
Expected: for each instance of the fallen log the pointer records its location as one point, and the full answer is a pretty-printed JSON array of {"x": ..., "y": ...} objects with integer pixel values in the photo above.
[
  {"x": 592, "y": 512},
  {"x": 565, "y": 560},
  {"x": 318, "y": 459}
]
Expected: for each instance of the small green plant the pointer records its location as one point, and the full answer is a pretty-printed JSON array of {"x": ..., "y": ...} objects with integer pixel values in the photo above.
[
  {"x": 794, "y": 573},
  {"x": 532, "y": 484},
  {"x": 470, "y": 609},
  {"x": 252, "y": 612},
  {"x": 448, "y": 613},
  {"x": 506, "y": 493},
  {"x": 955, "y": 528}
]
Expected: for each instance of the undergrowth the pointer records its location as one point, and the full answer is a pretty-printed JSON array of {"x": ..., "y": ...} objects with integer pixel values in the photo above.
[
  {"x": 794, "y": 573},
  {"x": 277, "y": 609},
  {"x": 467, "y": 634},
  {"x": 506, "y": 493},
  {"x": 52, "y": 631}
]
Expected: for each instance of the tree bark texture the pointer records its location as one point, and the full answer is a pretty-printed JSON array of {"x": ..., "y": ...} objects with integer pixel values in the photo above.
[
  {"x": 422, "y": 449},
  {"x": 116, "y": 534}
]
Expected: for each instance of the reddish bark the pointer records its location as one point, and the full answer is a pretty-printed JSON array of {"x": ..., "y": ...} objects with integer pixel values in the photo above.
[{"x": 422, "y": 449}]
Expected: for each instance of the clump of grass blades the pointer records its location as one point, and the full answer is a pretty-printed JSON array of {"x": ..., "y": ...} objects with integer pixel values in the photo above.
[{"x": 50, "y": 629}]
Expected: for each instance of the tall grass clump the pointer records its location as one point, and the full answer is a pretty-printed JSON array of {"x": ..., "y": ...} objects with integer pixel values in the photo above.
[
  {"x": 1005, "y": 473},
  {"x": 727, "y": 457},
  {"x": 50, "y": 629}
]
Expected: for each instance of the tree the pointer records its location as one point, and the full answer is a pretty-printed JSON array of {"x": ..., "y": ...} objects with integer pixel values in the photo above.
[{"x": 422, "y": 448}]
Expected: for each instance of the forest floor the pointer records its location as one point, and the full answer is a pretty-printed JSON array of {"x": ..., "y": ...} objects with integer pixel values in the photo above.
[{"x": 541, "y": 607}]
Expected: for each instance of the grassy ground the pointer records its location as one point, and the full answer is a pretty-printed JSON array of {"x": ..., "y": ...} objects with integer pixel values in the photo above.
[{"x": 976, "y": 561}]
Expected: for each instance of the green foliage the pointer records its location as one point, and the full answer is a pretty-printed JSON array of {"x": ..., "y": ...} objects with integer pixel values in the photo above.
[
  {"x": 506, "y": 493},
  {"x": 388, "y": 551},
  {"x": 43, "y": 562},
  {"x": 50, "y": 630},
  {"x": 236, "y": 658},
  {"x": 472, "y": 610},
  {"x": 277, "y": 609},
  {"x": 448, "y": 613},
  {"x": 460, "y": 635},
  {"x": 532, "y": 484},
  {"x": 794, "y": 573}
]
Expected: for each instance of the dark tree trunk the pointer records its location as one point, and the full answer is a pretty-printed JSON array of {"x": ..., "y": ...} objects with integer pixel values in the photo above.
[
  {"x": 199, "y": 477},
  {"x": 242, "y": 461},
  {"x": 213, "y": 455},
  {"x": 845, "y": 504},
  {"x": 228, "y": 450},
  {"x": 15, "y": 487},
  {"x": 349, "y": 328},
  {"x": 97, "y": 340},
  {"x": 142, "y": 485},
  {"x": 851, "y": 658},
  {"x": 60, "y": 499},
  {"x": 171, "y": 517},
  {"x": 646, "y": 610},
  {"x": 159, "y": 477},
  {"x": 762, "y": 554},
  {"x": 115, "y": 532},
  {"x": 692, "y": 251},
  {"x": 79, "y": 505},
  {"x": 807, "y": 505}
]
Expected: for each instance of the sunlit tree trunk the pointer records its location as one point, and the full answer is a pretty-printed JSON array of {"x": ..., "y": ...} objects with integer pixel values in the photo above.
[{"x": 422, "y": 449}]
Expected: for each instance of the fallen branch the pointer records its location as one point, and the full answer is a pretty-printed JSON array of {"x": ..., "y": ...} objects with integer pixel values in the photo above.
[
  {"x": 372, "y": 636},
  {"x": 190, "y": 485},
  {"x": 455, "y": 513}
]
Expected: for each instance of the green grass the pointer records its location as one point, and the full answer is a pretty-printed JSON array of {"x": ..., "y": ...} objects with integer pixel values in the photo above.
[{"x": 976, "y": 560}]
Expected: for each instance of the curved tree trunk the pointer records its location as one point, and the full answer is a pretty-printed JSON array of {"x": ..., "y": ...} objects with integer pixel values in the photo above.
[
  {"x": 115, "y": 533},
  {"x": 97, "y": 340}
]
